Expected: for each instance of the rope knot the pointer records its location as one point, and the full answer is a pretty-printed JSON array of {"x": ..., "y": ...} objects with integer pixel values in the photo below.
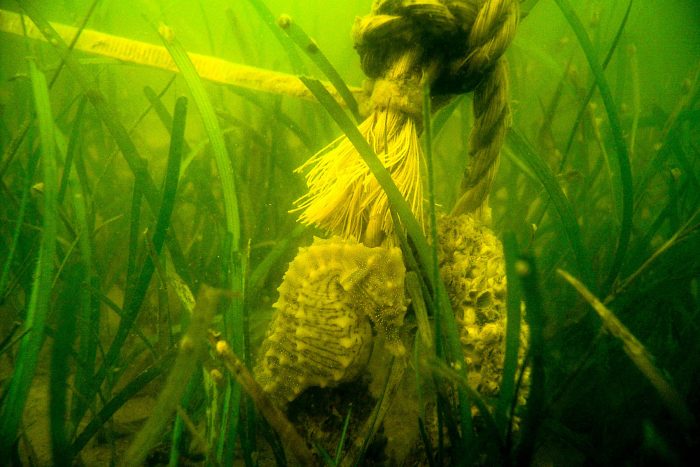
[
  {"x": 464, "y": 39},
  {"x": 402, "y": 95},
  {"x": 454, "y": 46}
]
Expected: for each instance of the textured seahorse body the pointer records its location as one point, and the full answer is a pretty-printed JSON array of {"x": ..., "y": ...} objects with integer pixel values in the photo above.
[{"x": 320, "y": 334}]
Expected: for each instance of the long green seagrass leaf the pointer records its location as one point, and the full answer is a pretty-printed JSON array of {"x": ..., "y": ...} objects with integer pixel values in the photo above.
[
  {"x": 623, "y": 182},
  {"x": 39, "y": 302}
]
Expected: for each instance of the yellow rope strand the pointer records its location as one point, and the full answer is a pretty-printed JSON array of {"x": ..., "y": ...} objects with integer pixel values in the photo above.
[
  {"x": 344, "y": 197},
  {"x": 141, "y": 53},
  {"x": 489, "y": 38},
  {"x": 491, "y": 121}
]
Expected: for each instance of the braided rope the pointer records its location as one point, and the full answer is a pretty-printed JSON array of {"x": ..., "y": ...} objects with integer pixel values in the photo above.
[
  {"x": 491, "y": 121},
  {"x": 491, "y": 34},
  {"x": 465, "y": 40},
  {"x": 454, "y": 46}
]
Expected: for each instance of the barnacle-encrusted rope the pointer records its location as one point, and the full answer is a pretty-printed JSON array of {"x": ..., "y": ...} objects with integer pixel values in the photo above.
[{"x": 453, "y": 46}]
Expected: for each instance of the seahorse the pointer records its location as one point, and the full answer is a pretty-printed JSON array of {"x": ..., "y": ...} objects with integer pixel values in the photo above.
[{"x": 332, "y": 294}]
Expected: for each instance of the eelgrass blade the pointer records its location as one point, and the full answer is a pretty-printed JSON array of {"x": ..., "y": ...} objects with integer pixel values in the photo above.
[
  {"x": 443, "y": 115},
  {"x": 165, "y": 118},
  {"x": 39, "y": 301},
  {"x": 508, "y": 390},
  {"x": 529, "y": 282},
  {"x": 19, "y": 223},
  {"x": 636, "y": 97},
  {"x": 179, "y": 425},
  {"x": 151, "y": 106},
  {"x": 562, "y": 205},
  {"x": 138, "y": 293},
  {"x": 110, "y": 118},
  {"x": 679, "y": 235},
  {"x": 235, "y": 326},
  {"x": 440, "y": 311},
  {"x": 622, "y": 182},
  {"x": 88, "y": 324},
  {"x": 440, "y": 368},
  {"x": 273, "y": 439},
  {"x": 134, "y": 235},
  {"x": 415, "y": 294},
  {"x": 526, "y": 7},
  {"x": 327, "y": 459},
  {"x": 521, "y": 165},
  {"x": 261, "y": 271},
  {"x": 9, "y": 341},
  {"x": 309, "y": 47},
  {"x": 192, "y": 347},
  {"x": 639, "y": 355},
  {"x": 426, "y": 443},
  {"x": 12, "y": 148},
  {"x": 249, "y": 426},
  {"x": 212, "y": 128},
  {"x": 60, "y": 365},
  {"x": 243, "y": 41},
  {"x": 83, "y": 22},
  {"x": 669, "y": 137},
  {"x": 591, "y": 90},
  {"x": 247, "y": 432},
  {"x": 234, "y": 319},
  {"x": 343, "y": 434},
  {"x": 428, "y": 153},
  {"x": 172, "y": 174},
  {"x": 356, "y": 454},
  {"x": 270, "y": 21},
  {"x": 228, "y": 428},
  {"x": 434, "y": 267},
  {"x": 127, "y": 393},
  {"x": 286, "y": 121},
  {"x": 414, "y": 274},
  {"x": 73, "y": 142},
  {"x": 673, "y": 203}
]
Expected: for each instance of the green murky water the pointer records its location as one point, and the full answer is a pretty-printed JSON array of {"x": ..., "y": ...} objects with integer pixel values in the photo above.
[{"x": 146, "y": 214}]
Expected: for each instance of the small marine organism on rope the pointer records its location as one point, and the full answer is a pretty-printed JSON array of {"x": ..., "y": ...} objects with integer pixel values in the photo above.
[{"x": 473, "y": 269}]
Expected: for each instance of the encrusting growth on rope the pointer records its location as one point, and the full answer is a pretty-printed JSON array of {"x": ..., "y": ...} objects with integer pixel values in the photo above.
[{"x": 451, "y": 46}]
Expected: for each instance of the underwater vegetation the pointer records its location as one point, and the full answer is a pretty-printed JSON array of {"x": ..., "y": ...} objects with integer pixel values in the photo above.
[{"x": 426, "y": 232}]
